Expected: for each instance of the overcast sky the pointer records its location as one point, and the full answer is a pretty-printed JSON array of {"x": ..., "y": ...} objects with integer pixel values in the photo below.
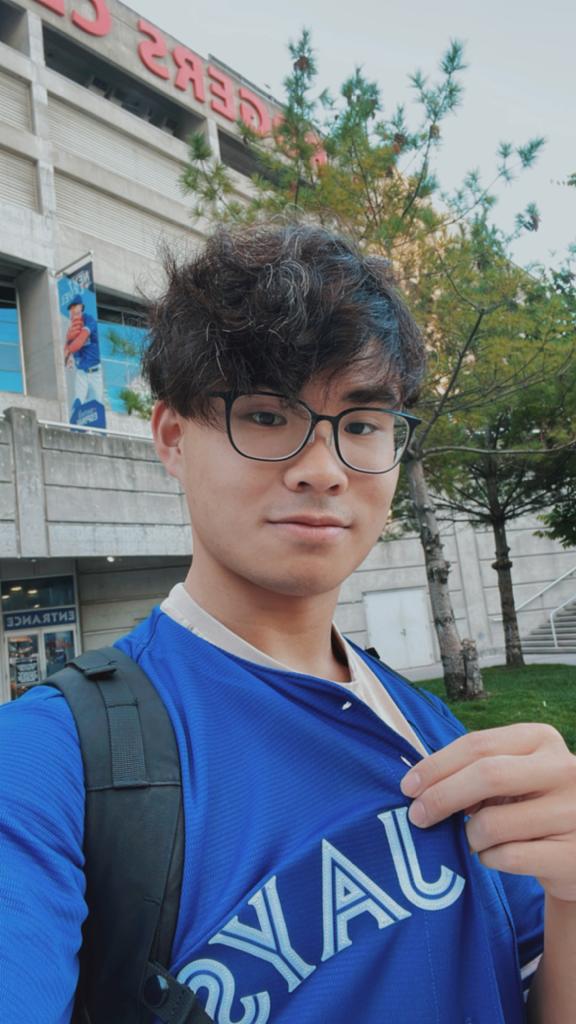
[{"x": 520, "y": 83}]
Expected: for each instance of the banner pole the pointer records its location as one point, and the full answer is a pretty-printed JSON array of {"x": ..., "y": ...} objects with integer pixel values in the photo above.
[{"x": 60, "y": 273}]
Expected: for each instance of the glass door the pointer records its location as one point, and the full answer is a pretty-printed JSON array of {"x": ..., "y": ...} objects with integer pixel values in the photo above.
[
  {"x": 59, "y": 648},
  {"x": 24, "y": 663},
  {"x": 36, "y": 654}
]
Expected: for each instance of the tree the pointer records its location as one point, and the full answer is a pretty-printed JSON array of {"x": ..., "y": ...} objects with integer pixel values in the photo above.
[
  {"x": 560, "y": 517},
  {"x": 489, "y": 489},
  {"x": 348, "y": 167},
  {"x": 503, "y": 442}
]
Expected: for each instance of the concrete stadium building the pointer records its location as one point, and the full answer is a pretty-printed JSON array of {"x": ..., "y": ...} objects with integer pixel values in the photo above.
[{"x": 95, "y": 107}]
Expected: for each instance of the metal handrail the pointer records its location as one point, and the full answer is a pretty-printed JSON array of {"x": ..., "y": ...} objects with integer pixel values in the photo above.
[
  {"x": 544, "y": 589},
  {"x": 553, "y": 614}
]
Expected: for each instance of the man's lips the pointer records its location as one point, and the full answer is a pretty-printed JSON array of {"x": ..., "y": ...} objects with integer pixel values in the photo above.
[
  {"x": 311, "y": 528},
  {"x": 314, "y": 521}
]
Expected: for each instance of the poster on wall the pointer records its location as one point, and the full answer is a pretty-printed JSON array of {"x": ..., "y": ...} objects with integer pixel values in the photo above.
[{"x": 81, "y": 348}]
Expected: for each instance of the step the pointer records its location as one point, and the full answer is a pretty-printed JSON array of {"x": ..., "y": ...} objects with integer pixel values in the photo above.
[
  {"x": 544, "y": 634},
  {"x": 560, "y": 628},
  {"x": 548, "y": 649},
  {"x": 548, "y": 637}
]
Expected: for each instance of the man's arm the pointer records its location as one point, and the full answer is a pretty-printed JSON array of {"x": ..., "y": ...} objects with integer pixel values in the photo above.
[
  {"x": 42, "y": 884},
  {"x": 552, "y": 998},
  {"x": 77, "y": 342},
  {"x": 518, "y": 786}
]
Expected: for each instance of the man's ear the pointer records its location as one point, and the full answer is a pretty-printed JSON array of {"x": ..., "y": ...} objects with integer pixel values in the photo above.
[{"x": 167, "y": 429}]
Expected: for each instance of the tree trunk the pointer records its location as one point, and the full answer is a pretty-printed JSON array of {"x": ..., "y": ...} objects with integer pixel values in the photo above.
[
  {"x": 462, "y": 676},
  {"x": 503, "y": 565}
]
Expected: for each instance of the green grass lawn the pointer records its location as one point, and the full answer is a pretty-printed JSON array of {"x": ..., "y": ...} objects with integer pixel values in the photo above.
[{"x": 536, "y": 693}]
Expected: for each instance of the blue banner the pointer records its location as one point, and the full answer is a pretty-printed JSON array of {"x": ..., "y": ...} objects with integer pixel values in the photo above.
[{"x": 84, "y": 380}]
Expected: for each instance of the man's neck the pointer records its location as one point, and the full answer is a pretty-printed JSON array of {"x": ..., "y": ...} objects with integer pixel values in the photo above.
[{"x": 296, "y": 631}]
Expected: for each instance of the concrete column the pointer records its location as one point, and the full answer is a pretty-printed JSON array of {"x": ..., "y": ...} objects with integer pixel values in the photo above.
[
  {"x": 35, "y": 37},
  {"x": 211, "y": 130},
  {"x": 472, "y": 587},
  {"x": 40, "y": 321},
  {"x": 31, "y": 527},
  {"x": 40, "y": 122},
  {"x": 41, "y": 327}
]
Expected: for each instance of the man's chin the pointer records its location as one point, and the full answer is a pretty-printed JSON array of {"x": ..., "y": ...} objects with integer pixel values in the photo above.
[{"x": 302, "y": 585}]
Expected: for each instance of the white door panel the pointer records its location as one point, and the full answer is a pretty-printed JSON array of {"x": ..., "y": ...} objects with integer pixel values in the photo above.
[{"x": 399, "y": 627}]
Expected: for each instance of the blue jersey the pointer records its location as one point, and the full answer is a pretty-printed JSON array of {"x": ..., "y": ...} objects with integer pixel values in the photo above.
[
  {"x": 89, "y": 355},
  {"x": 307, "y": 895}
]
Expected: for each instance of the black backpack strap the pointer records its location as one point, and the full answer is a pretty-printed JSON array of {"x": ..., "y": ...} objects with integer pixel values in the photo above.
[{"x": 134, "y": 843}]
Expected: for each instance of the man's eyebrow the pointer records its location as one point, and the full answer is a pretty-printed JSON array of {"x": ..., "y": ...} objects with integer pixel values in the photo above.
[{"x": 386, "y": 394}]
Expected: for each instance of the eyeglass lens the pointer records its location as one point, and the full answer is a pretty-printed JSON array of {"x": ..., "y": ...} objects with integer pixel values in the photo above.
[{"x": 270, "y": 427}]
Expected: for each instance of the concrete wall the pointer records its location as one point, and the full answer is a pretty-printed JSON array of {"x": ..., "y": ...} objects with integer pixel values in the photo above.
[
  {"x": 114, "y": 598},
  {"x": 72, "y": 494}
]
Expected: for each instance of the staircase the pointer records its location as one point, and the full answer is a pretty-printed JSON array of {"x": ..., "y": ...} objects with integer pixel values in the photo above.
[{"x": 541, "y": 640}]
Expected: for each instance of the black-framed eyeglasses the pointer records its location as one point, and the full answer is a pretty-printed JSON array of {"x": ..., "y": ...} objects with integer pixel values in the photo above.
[{"x": 269, "y": 427}]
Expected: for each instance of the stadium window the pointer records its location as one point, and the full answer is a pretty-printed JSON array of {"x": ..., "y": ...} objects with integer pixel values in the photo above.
[
  {"x": 13, "y": 28},
  {"x": 122, "y": 335},
  {"x": 236, "y": 154},
  {"x": 11, "y": 373},
  {"x": 90, "y": 71}
]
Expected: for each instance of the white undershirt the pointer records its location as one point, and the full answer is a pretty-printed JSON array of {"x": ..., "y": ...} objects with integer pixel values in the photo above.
[{"x": 364, "y": 684}]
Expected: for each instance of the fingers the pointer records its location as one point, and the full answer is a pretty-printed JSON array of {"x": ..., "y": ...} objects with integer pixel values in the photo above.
[
  {"x": 518, "y": 784},
  {"x": 498, "y": 825},
  {"x": 549, "y": 860},
  {"x": 495, "y": 765},
  {"x": 508, "y": 739},
  {"x": 493, "y": 778}
]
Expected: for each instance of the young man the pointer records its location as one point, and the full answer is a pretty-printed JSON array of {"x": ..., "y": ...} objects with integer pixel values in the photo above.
[{"x": 350, "y": 855}]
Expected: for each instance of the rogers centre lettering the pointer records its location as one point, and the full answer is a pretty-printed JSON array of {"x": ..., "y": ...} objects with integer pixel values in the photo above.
[{"x": 184, "y": 69}]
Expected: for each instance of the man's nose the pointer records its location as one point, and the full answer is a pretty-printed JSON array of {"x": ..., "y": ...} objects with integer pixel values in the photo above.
[{"x": 318, "y": 465}]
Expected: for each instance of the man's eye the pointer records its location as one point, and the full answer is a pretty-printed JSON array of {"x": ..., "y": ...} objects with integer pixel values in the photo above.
[
  {"x": 362, "y": 429},
  {"x": 267, "y": 419}
]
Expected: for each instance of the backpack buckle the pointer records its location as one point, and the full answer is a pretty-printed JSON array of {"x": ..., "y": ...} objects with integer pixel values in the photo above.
[{"x": 94, "y": 665}]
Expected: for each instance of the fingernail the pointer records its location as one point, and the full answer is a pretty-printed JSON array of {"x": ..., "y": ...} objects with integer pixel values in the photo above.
[
  {"x": 417, "y": 814},
  {"x": 410, "y": 784}
]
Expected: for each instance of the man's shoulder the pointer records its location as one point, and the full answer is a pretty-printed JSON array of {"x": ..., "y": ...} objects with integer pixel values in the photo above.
[
  {"x": 38, "y": 734},
  {"x": 42, "y": 705},
  {"x": 40, "y": 758}
]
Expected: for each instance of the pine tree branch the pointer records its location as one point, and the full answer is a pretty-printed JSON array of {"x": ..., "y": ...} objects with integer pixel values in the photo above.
[{"x": 453, "y": 378}]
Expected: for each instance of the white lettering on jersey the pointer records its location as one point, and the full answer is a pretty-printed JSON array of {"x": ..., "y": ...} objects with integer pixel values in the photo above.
[
  {"x": 221, "y": 988},
  {"x": 270, "y": 941},
  {"x": 427, "y": 895},
  {"x": 348, "y": 892}
]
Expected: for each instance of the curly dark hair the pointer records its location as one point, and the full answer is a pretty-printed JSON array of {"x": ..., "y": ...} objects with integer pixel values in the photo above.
[{"x": 271, "y": 307}]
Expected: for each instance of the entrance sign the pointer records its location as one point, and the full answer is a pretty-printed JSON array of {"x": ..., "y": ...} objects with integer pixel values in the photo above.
[{"x": 37, "y": 619}]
